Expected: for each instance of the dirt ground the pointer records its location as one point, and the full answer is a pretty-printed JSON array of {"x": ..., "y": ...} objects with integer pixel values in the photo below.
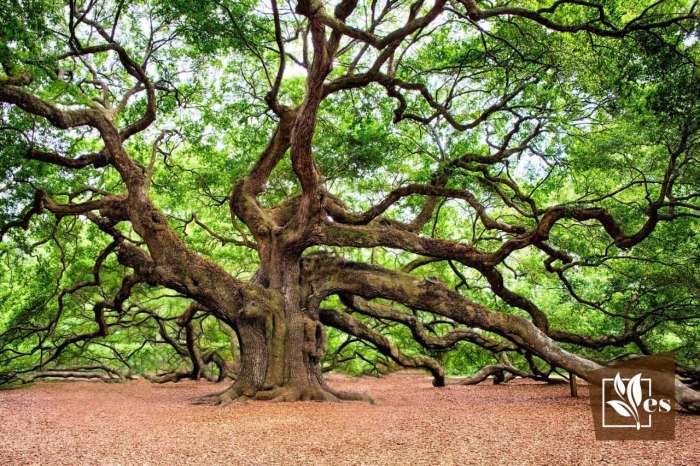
[{"x": 411, "y": 423}]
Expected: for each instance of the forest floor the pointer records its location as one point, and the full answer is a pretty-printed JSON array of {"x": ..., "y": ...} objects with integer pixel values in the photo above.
[{"x": 411, "y": 423}]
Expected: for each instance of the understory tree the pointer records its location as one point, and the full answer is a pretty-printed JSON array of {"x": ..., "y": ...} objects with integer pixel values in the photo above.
[{"x": 228, "y": 188}]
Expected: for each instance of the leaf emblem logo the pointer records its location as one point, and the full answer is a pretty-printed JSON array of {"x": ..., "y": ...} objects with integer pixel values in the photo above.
[{"x": 630, "y": 397}]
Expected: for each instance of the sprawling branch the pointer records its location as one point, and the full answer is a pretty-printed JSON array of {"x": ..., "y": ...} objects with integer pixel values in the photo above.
[
  {"x": 605, "y": 27},
  {"x": 34, "y": 105},
  {"x": 97, "y": 159},
  {"x": 351, "y": 326},
  {"x": 331, "y": 276},
  {"x": 426, "y": 338}
]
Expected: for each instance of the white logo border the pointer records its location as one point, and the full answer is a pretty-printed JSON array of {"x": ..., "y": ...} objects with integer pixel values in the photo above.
[{"x": 604, "y": 401}]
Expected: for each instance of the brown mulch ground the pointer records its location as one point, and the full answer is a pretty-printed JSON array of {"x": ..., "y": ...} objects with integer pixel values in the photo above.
[{"x": 411, "y": 423}]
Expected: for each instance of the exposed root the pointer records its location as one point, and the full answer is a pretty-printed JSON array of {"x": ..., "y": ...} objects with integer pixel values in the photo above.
[
  {"x": 349, "y": 396},
  {"x": 292, "y": 393},
  {"x": 220, "y": 398},
  {"x": 281, "y": 394}
]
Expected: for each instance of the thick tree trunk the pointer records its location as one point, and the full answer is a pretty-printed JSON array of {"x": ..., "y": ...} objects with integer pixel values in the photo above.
[{"x": 281, "y": 351}]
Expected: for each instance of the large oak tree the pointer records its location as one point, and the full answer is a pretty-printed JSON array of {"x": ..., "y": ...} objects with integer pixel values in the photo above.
[{"x": 523, "y": 174}]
